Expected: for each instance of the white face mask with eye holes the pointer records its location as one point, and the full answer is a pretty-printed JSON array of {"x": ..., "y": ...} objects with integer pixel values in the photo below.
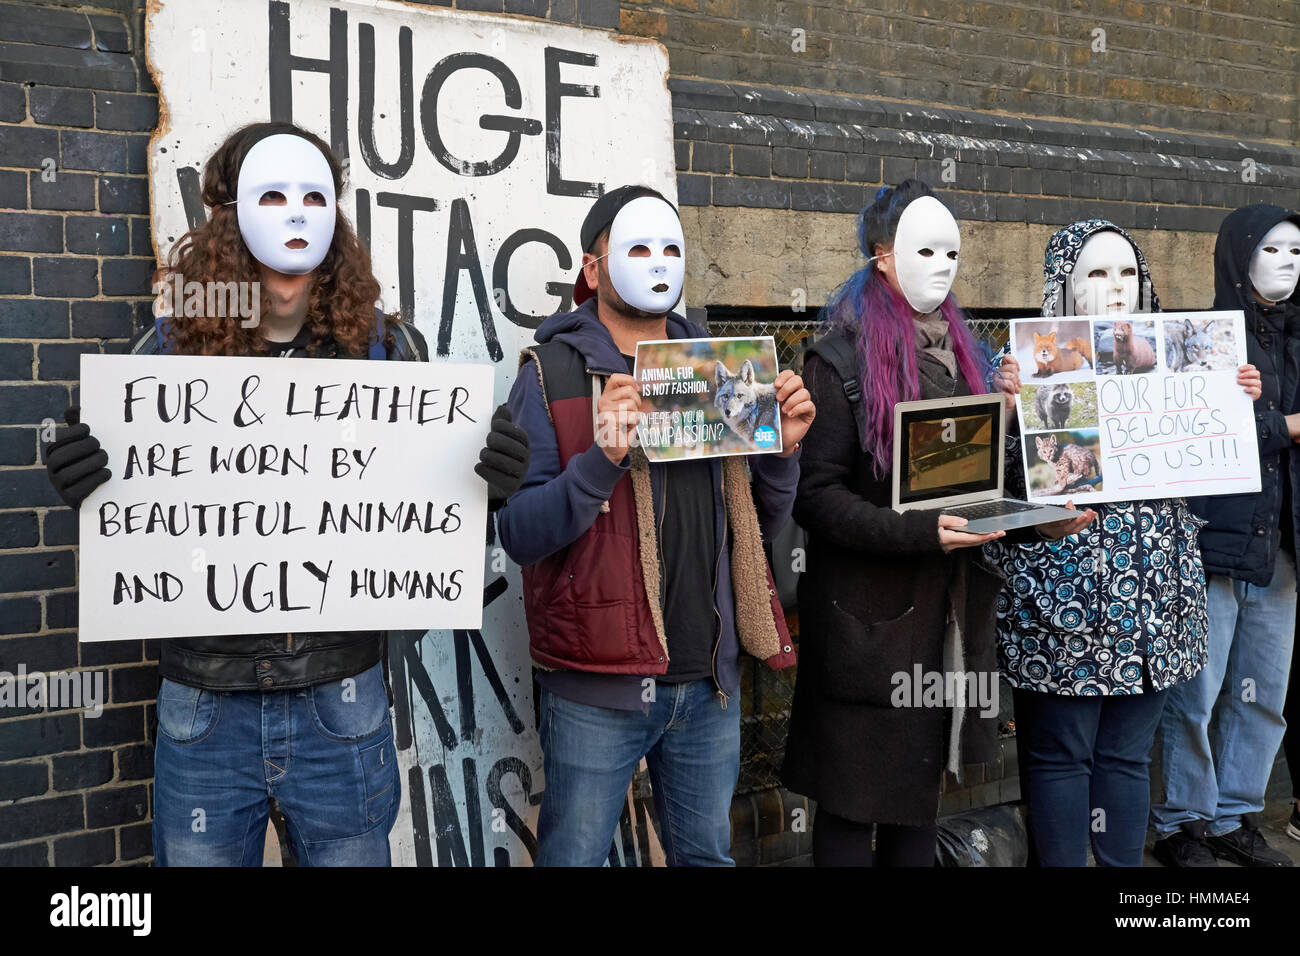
[
  {"x": 1105, "y": 276},
  {"x": 646, "y": 263},
  {"x": 1275, "y": 266},
  {"x": 286, "y": 204},
  {"x": 926, "y": 245}
]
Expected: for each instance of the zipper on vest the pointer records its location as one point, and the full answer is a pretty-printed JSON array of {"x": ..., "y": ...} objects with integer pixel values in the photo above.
[
  {"x": 288, "y": 642},
  {"x": 659, "y": 543}
]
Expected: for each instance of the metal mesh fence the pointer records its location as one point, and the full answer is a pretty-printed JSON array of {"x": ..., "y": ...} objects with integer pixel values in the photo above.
[{"x": 766, "y": 694}]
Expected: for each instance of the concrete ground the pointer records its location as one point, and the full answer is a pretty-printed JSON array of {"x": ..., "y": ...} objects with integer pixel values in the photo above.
[{"x": 1276, "y": 813}]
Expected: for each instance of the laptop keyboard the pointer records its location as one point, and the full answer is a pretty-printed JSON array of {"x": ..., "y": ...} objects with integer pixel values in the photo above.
[{"x": 990, "y": 509}]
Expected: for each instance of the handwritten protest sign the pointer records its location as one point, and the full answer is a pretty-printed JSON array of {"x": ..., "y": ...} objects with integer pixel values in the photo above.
[
  {"x": 702, "y": 398},
  {"x": 278, "y": 495},
  {"x": 1128, "y": 407}
]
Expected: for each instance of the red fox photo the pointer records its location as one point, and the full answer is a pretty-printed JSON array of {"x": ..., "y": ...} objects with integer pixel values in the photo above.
[{"x": 1052, "y": 358}]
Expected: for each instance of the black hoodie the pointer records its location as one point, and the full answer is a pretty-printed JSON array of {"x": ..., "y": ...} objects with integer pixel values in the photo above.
[{"x": 1244, "y": 531}]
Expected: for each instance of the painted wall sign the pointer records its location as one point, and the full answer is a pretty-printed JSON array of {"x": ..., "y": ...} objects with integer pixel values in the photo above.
[{"x": 475, "y": 145}]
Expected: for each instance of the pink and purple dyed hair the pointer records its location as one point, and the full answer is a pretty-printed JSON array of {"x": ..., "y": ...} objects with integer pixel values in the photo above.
[{"x": 869, "y": 313}]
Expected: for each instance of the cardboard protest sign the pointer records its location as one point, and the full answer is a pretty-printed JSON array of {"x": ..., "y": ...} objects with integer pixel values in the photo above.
[
  {"x": 264, "y": 495},
  {"x": 702, "y": 398},
  {"x": 1129, "y": 407}
]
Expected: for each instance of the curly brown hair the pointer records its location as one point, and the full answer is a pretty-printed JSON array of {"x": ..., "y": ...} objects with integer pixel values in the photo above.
[{"x": 341, "y": 304}]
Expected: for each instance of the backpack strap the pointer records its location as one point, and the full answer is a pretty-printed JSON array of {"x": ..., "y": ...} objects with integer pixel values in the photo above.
[
  {"x": 411, "y": 352},
  {"x": 150, "y": 341},
  {"x": 156, "y": 342},
  {"x": 408, "y": 345},
  {"x": 561, "y": 371},
  {"x": 378, "y": 352},
  {"x": 837, "y": 350}
]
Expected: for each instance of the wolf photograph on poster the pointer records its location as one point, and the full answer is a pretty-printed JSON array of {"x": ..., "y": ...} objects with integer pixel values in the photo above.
[{"x": 707, "y": 397}]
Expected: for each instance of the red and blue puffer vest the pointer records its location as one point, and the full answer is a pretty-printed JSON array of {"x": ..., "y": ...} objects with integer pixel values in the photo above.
[{"x": 595, "y": 605}]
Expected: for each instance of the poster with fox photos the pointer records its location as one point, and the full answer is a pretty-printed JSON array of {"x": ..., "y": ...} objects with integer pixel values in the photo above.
[
  {"x": 701, "y": 398},
  {"x": 1128, "y": 407}
]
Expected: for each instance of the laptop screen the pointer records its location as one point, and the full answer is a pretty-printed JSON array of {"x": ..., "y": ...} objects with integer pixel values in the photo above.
[{"x": 948, "y": 451}]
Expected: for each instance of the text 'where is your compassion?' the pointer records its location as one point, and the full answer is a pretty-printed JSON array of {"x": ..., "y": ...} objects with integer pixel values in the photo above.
[{"x": 258, "y": 494}]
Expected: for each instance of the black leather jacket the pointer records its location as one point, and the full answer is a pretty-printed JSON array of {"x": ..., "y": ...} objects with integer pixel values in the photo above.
[{"x": 278, "y": 661}]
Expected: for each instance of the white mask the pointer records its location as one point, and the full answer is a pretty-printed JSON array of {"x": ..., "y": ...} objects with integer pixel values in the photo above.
[
  {"x": 1105, "y": 276},
  {"x": 294, "y": 168},
  {"x": 1275, "y": 266},
  {"x": 651, "y": 283},
  {"x": 926, "y": 244}
]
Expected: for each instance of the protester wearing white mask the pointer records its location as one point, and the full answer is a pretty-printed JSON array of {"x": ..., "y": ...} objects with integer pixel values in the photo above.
[
  {"x": 286, "y": 204},
  {"x": 1092, "y": 632},
  {"x": 632, "y": 569},
  {"x": 300, "y": 719},
  {"x": 926, "y": 248},
  {"x": 886, "y": 593},
  {"x": 921, "y": 265},
  {"x": 1105, "y": 276},
  {"x": 1214, "y": 782},
  {"x": 1275, "y": 266},
  {"x": 645, "y": 261}
]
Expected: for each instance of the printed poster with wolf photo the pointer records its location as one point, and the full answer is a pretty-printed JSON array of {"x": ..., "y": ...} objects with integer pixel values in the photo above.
[
  {"x": 1129, "y": 407},
  {"x": 701, "y": 398}
]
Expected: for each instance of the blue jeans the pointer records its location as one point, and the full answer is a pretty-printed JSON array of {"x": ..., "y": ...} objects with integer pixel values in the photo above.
[
  {"x": 1087, "y": 774},
  {"x": 325, "y": 753},
  {"x": 1222, "y": 728},
  {"x": 692, "y": 748}
]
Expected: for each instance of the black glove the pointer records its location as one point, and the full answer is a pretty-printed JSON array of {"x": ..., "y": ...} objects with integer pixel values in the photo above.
[
  {"x": 503, "y": 462},
  {"x": 75, "y": 462}
]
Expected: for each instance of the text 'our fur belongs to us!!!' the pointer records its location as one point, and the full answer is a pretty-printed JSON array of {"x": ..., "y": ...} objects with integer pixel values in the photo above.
[{"x": 1127, "y": 407}]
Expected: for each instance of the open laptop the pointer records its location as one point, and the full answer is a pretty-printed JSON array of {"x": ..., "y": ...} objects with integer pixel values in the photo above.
[{"x": 949, "y": 454}]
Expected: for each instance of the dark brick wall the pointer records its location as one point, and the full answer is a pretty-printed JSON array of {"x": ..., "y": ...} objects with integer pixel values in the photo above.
[
  {"x": 586, "y": 13},
  {"x": 744, "y": 145},
  {"x": 76, "y": 111},
  {"x": 1207, "y": 67}
]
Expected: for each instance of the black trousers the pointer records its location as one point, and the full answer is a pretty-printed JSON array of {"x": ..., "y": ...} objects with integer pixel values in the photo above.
[{"x": 841, "y": 842}]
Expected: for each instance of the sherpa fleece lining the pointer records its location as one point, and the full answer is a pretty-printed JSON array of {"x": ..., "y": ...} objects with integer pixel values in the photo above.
[{"x": 755, "y": 626}]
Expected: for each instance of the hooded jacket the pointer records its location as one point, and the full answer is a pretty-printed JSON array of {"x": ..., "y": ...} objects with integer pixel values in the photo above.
[
  {"x": 1242, "y": 535},
  {"x": 1094, "y": 612},
  {"x": 582, "y": 527}
]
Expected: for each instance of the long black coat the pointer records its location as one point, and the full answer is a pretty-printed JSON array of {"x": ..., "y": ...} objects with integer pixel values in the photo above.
[
  {"x": 1244, "y": 531},
  {"x": 873, "y": 602}
]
